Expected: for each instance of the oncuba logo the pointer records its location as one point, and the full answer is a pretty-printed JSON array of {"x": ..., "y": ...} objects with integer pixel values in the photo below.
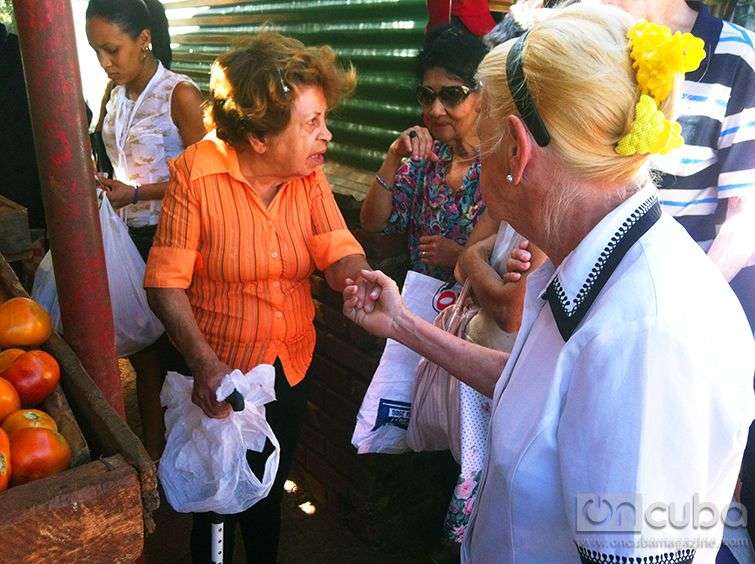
[{"x": 445, "y": 296}]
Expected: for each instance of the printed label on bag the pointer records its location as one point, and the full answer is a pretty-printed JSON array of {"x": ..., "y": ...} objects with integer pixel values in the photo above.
[
  {"x": 445, "y": 296},
  {"x": 393, "y": 412}
]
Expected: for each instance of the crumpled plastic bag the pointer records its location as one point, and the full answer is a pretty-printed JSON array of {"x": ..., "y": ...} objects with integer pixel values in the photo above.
[{"x": 204, "y": 466}]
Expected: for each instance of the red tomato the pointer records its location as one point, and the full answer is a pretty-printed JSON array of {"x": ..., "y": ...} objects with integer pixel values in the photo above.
[
  {"x": 8, "y": 356},
  {"x": 34, "y": 374},
  {"x": 23, "y": 323},
  {"x": 5, "y": 469},
  {"x": 8, "y": 399},
  {"x": 36, "y": 453},
  {"x": 28, "y": 418}
]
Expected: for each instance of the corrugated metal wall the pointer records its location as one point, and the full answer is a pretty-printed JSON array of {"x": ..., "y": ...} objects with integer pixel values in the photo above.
[{"x": 380, "y": 37}]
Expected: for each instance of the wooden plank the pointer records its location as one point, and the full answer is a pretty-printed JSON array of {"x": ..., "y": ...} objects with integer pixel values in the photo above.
[
  {"x": 57, "y": 406},
  {"x": 15, "y": 238},
  {"x": 88, "y": 514},
  {"x": 107, "y": 434}
]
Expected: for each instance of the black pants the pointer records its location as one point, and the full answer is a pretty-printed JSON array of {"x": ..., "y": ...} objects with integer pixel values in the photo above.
[
  {"x": 260, "y": 524},
  {"x": 143, "y": 237}
]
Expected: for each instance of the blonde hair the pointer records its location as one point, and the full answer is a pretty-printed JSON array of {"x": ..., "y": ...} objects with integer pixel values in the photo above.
[{"x": 580, "y": 77}]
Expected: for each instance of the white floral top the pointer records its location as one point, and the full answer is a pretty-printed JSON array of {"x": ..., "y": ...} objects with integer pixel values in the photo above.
[{"x": 140, "y": 137}]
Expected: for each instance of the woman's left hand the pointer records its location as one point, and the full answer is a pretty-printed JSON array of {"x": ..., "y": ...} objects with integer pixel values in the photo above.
[
  {"x": 117, "y": 192},
  {"x": 380, "y": 312},
  {"x": 438, "y": 250}
]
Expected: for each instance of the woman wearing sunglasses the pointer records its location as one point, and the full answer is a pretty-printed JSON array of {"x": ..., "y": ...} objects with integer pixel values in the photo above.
[{"x": 428, "y": 186}]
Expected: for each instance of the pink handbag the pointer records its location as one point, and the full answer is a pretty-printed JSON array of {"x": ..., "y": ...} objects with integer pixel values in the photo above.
[{"x": 434, "y": 422}]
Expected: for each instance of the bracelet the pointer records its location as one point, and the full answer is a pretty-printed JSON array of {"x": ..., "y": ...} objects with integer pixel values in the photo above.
[
  {"x": 136, "y": 194},
  {"x": 383, "y": 183}
]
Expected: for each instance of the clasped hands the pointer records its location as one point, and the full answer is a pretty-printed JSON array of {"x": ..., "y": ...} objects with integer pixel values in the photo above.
[{"x": 374, "y": 301}]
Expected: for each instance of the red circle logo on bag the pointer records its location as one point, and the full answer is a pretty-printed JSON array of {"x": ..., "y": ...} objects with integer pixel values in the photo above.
[{"x": 445, "y": 296}]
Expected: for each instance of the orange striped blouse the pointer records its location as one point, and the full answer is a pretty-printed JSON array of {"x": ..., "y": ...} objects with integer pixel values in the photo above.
[{"x": 246, "y": 266}]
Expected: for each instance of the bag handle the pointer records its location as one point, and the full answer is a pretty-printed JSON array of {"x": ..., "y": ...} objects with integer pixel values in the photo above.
[{"x": 465, "y": 289}]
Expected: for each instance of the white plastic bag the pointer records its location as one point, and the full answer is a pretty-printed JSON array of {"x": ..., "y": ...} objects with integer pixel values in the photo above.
[
  {"x": 44, "y": 291},
  {"x": 384, "y": 415},
  {"x": 136, "y": 326},
  {"x": 204, "y": 466}
]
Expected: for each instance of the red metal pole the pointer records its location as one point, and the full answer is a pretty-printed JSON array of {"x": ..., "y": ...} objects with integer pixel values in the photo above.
[{"x": 48, "y": 49}]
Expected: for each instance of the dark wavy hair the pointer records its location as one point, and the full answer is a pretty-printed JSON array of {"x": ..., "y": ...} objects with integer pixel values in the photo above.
[
  {"x": 453, "y": 49},
  {"x": 134, "y": 16}
]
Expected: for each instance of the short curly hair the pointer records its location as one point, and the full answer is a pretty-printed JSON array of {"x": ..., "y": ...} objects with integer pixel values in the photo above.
[{"x": 253, "y": 88}]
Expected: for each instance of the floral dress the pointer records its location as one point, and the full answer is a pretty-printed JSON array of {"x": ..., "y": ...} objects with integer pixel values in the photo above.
[{"x": 424, "y": 204}]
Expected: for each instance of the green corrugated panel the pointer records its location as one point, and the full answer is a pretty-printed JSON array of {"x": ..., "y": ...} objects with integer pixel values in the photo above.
[{"x": 381, "y": 38}]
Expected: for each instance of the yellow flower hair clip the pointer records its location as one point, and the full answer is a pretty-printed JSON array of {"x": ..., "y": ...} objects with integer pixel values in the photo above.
[
  {"x": 658, "y": 56},
  {"x": 651, "y": 132}
]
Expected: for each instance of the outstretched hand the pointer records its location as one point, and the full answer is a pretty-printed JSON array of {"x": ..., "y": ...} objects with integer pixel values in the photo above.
[{"x": 375, "y": 315}]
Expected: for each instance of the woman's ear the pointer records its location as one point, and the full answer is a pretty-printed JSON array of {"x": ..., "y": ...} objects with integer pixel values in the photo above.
[
  {"x": 520, "y": 148},
  {"x": 145, "y": 39},
  {"x": 258, "y": 145},
  {"x": 477, "y": 101}
]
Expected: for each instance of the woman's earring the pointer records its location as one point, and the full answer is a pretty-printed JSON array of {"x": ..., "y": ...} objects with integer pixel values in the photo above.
[{"x": 509, "y": 179}]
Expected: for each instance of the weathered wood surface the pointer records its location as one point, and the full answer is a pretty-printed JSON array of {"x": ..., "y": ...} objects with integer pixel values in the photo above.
[
  {"x": 106, "y": 433},
  {"x": 57, "y": 406},
  {"x": 14, "y": 228},
  {"x": 92, "y": 513}
]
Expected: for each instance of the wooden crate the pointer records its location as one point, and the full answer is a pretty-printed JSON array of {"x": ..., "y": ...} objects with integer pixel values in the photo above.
[
  {"x": 98, "y": 510},
  {"x": 15, "y": 240}
]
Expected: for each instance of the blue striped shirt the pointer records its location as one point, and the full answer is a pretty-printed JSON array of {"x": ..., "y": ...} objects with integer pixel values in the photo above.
[{"x": 717, "y": 113}]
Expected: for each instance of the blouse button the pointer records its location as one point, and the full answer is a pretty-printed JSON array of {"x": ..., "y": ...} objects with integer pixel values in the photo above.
[
  {"x": 278, "y": 314},
  {"x": 274, "y": 254}
]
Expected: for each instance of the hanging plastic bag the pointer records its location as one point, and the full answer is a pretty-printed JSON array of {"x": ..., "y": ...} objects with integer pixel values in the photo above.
[
  {"x": 136, "y": 327},
  {"x": 384, "y": 414},
  {"x": 204, "y": 466}
]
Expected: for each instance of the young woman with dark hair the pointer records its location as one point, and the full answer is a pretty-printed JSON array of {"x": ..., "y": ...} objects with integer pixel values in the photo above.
[{"x": 149, "y": 115}]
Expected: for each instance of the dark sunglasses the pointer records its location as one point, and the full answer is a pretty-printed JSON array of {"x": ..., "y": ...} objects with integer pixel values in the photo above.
[{"x": 449, "y": 96}]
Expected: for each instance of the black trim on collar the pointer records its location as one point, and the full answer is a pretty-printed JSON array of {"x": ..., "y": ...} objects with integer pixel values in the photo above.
[
  {"x": 569, "y": 315},
  {"x": 588, "y": 556}
]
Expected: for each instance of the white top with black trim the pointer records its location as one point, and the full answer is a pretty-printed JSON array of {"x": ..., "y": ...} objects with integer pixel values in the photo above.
[{"x": 623, "y": 388}]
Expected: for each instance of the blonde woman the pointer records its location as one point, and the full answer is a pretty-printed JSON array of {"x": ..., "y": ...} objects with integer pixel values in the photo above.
[{"x": 624, "y": 390}]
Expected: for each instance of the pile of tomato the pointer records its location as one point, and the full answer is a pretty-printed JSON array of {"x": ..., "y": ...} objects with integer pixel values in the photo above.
[{"x": 30, "y": 445}]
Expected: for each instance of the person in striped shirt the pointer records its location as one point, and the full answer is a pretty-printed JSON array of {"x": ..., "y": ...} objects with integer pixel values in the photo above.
[{"x": 708, "y": 184}]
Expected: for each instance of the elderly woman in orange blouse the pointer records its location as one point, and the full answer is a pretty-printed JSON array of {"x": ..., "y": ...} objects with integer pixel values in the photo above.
[{"x": 247, "y": 217}]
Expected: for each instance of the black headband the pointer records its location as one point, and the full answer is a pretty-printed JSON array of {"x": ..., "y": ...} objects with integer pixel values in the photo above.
[{"x": 521, "y": 95}]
